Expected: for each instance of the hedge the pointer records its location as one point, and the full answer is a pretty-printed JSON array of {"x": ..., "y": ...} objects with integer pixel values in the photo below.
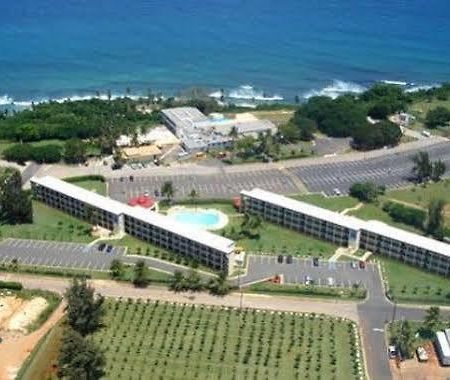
[
  {"x": 405, "y": 214},
  {"x": 92, "y": 177},
  {"x": 11, "y": 285}
]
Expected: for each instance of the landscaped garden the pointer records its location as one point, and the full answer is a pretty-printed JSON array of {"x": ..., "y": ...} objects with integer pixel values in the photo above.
[
  {"x": 161, "y": 340},
  {"x": 49, "y": 224},
  {"x": 410, "y": 284}
]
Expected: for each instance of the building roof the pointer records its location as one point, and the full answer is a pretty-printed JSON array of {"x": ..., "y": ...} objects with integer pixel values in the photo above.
[
  {"x": 191, "y": 233},
  {"x": 184, "y": 117},
  {"x": 305, "y": 208},
  {"x": 443, "y": 343},
  {"x": 78, "y": 192},
  {"x": 398, "y": 234},
  {"x": 373, "y": 226},
  {"x": 203, "y": 237},
  {"x": 158, "y": 135}
]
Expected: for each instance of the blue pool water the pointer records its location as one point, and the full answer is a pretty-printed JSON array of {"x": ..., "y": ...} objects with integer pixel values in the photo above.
[{"x": 198, "y": 219}]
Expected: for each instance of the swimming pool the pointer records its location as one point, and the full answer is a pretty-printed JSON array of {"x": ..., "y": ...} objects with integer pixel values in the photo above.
[{"x": 208, "y": 219}]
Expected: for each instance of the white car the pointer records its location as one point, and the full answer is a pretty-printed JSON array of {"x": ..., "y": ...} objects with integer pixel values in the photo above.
[
  {"x": 392, "y": 352},
  {"x": 330, "y": 281},
  {"x": 337, "y": 192}
]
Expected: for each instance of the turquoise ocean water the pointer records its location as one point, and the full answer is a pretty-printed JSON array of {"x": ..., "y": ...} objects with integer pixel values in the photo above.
[{"x": 56, "y": 49}]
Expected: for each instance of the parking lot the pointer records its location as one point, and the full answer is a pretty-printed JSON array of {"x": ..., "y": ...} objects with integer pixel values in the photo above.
[
  {"x": 392, "y": 171},
  {"x": 342, "y": 273},
  {"x": 225, "y": 185},
  {"x": 57, "y": 254}
]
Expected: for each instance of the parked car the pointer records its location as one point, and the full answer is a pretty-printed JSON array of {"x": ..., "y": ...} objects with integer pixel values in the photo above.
[
  {"x": 354, "y": 264},
  {"x": 101, "y": 246},
  {"x": 309, "y": 280},
  {"x": 392, "y": 352},
  {"x": 131, "y": 178},
  {"x": 337, "y": 192},
  {"x": 422, "y": 354},
  {"x": 362, "y": 264},
  {"x": 289, "y": 259},
  {"x": 121, "y": 179},
  {"x": 109, "y": 248},
  {"x": 330, "y": 281},
  {"x": 280, "y": 259},
  {"x": 316, "y": 261}
]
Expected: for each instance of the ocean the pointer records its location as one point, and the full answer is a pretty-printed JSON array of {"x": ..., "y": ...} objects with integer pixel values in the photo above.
[{"x": 53, "y": 49}]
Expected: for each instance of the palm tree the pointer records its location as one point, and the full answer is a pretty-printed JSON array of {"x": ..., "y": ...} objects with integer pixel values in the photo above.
[
  {"x": 177, "y": 284},
  {"x": 438, "y": 170},
  {"x": 219, "y": 286},
  {"x": 168, "y": 191},
  {"x": 233, "y": 132},
  {"x": 422, "y": 168},
  {"x": 108, "y": 94},
  {"x": 193, "y": 194}
]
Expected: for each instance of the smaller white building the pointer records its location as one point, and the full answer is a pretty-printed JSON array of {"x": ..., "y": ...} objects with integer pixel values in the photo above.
[{"x": 443, "y": 348}]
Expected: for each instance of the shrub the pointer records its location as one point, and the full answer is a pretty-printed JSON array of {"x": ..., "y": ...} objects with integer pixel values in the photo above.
[
  {"x": 12, "y": 285},
  {"x": 404, "y": 214}
]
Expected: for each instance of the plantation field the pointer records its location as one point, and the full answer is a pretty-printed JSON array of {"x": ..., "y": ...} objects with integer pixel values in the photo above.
[{"x": 159, "y": 340}]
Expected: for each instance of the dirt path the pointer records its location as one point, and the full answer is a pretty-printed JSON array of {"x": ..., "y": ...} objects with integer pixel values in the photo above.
[{"x": 14, "y": 352}]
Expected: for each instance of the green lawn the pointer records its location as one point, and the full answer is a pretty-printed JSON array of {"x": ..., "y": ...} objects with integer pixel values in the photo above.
[
  {"x": 49, "y": 224},
  {"x": 331, "y": 203},
  {"x": 274, "y": 239},
  {"x": 420, "y": 110},
  {"x": 410, "y": 284},
  {"x": 374, "y": 212},
  {"x": 420, "y": 195},
  {"x": 98, "y": 187},
  {"x": 307, "y": 291},
  {"x": 158, "y": 340}
]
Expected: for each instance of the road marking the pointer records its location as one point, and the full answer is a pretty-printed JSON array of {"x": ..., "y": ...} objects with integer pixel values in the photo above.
[{"x": 377, "y": 329}]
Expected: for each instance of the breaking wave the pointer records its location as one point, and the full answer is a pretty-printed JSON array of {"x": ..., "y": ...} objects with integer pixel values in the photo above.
[{"x": 337, "y": 88}]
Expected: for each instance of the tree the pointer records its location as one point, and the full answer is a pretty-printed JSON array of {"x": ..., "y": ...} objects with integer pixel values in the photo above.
[
  {"x": 167, "y": 190},
  {"x": 48, "y": 153},
  {"x": 366, "y": 191},
  {"x": 15, "y": 203},
  {"x": 219, "y": 286},
  {"x": 193, "y": 281},
  {"x": 438, "y": 170},
  {"x": 177, "y": 283},
  {"x": 140, "y": 278},
  {"x": 245, "y": 146},
  {"x": 379, "y": 111},
  {"x": 193, "y": 194},
  {"x": 251, "y": 224},
  {"x": 435, "y": 221},
  {"x": 74, "y": 151},
  {"x": 405, "y": 339},
  {"x": 432, "y": 318},
  {"x": 79, "y": 358},
  {"x": 20, "y": 153},
  {"x": 116, "y": 269},
  {"x": 234, "y": 132},
  {"x": 423, "y": 167},
  {"x": 438, "y": 117},
  {"x": 84, "y": 309}
]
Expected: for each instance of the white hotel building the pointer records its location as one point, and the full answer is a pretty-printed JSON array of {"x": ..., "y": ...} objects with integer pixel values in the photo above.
[
  {"x": 209, "y": 249},
  {"x": 348, "y": 231}
]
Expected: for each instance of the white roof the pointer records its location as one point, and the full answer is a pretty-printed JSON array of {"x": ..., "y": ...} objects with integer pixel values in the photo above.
[
  {"x": 443, "y": 342},
  {"x": 407, "y": 237},
  {"x": 81, "y": 194},
  {"x": 305, "y": 208},
  {"x": 203, "y": 237},
  {"x": 195, "y": 234}
]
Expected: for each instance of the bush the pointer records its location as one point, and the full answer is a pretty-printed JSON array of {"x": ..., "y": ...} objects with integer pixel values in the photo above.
[
  {"x": 20, "y": 153},
  {"x": 366, "y": 191},
  {"x": 84, "y": 178},
  {"x": 404, "y": 214},
  {"x": 12, "y": 285}
]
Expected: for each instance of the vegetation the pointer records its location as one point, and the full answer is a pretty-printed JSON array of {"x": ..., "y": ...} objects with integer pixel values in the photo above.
[
  {"x": 15, "y": 203},
  {"x": 11, "y": 285},
  {"x": 434, "y": 224},
  {"x": 94, "y": 183},
  {"x": 192, "y": 282},
  {"x": 437, "y": 117},
  {"x": 366, "y": 191},
  {"x": 337, "y": 204},
  {"x": 407, "y": 283},
  {"x": 168, "y": 191},
  {"x": 401, "y": 213},
  {"x": 84, "y": 309},
  {"x": 197, "y": 342},
  {"x": 313, "y": 291},
  {"x": 424, "y": 169},
  {"x": 141, "y": 275},
  {"x": 49, "y": 224},
  {"x": 21, "y": 153}
]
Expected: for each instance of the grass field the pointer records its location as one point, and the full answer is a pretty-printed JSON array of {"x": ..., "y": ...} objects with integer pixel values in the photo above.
[
  {"x": 420, "y": 110},
  {"x": 157, "y": 340},
  {"x": 98, "y": 187},
  {"x": 414, "y": 285},
  {"x": 49, "y": 224},
  {"x": 421, "y": 195}
]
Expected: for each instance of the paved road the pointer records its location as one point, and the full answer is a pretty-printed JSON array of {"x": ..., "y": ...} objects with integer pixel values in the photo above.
[{"x": 31, "y": 169}]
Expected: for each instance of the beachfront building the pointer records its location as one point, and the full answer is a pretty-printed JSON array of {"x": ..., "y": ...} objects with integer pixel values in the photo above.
[
  {"x": 347, "y": 231},
  {"x": 207, "y": 248},
  {"x": 303, "y": 217},
  {"x": 79, "y": 202},
  {"x": 199, "y": 132}
]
